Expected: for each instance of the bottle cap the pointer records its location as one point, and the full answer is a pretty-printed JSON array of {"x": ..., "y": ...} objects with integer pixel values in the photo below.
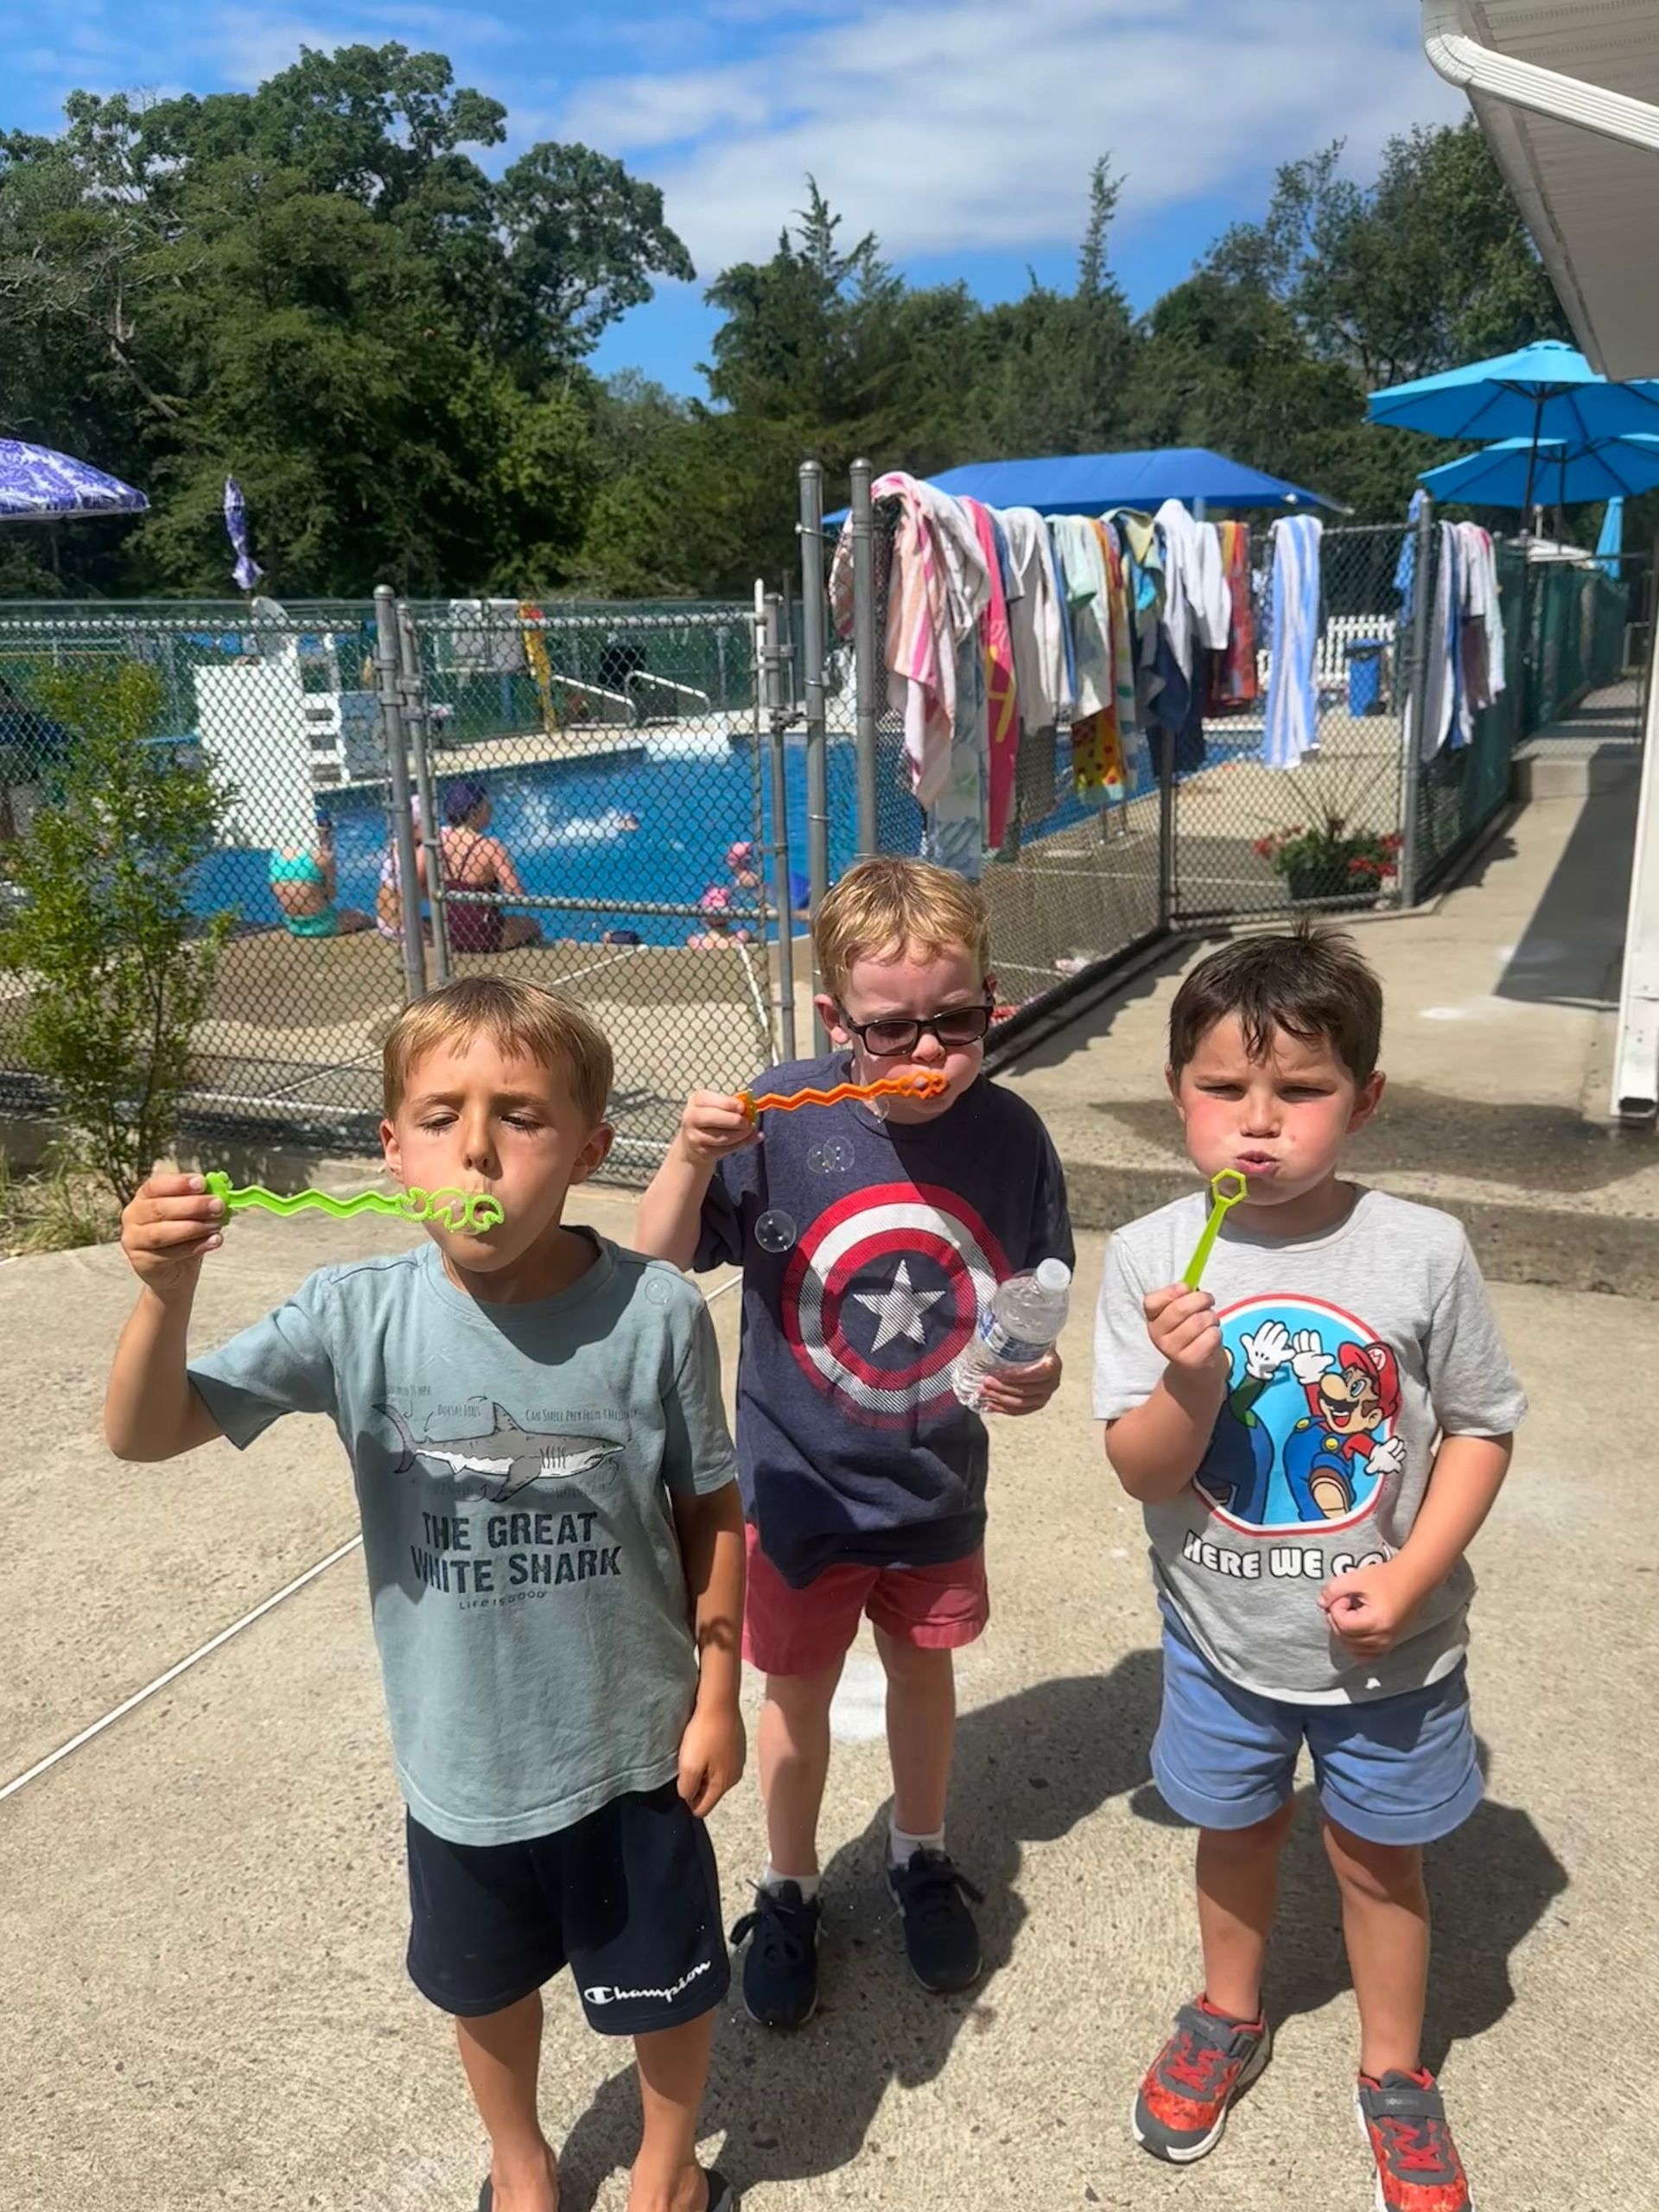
[{"x": 1054, "y": 1275}]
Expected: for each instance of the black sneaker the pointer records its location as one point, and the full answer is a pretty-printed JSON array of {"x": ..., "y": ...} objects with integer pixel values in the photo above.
[
  {"x": 941, "y": 1940},
  {"x": 780, "y": 1974}
]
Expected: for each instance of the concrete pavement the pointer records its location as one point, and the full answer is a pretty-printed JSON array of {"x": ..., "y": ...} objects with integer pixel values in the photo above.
[{"x": 202, "y": 1974}]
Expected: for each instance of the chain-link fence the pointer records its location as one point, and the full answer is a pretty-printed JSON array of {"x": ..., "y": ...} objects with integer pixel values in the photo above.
[
  {"x": 1202, "y": 830},
  {"x": 1250, "y": 839},
  {"x": 281, "y": 713},
  {"x": 638, "y": 805},
  {"x": 1076, "y": 879},
  {"x": 604, "y": 793},
  {"x": 585, "y": 799},
  {"x": 1575, "y": 635}
]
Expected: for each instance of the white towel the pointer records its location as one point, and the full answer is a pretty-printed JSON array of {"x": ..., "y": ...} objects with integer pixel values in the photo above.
[{"x": 1292, "y": 700}]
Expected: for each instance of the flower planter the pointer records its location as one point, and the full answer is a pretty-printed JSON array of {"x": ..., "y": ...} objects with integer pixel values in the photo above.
[{"x": 1317, "y": 880}]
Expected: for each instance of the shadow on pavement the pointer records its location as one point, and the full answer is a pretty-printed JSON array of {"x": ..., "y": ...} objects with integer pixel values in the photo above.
[
  {"x": 1028, "y": 1769},
  {"x": 1489, "y": 1883}
]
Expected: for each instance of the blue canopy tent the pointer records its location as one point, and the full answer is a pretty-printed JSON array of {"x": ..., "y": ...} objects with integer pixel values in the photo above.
[{"x": 1089, "y": 483}]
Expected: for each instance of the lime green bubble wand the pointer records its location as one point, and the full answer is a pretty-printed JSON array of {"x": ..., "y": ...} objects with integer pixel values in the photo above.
[
  {"x": 461, "y": 1209},
  {"x": 1225, "y": 1190}
]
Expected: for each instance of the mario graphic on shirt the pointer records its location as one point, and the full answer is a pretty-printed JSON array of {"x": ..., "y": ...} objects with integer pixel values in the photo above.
[{"x": 1308, "y": 1435}]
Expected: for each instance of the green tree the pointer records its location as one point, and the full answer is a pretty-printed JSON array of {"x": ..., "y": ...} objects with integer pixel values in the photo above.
[
  {"x": 120, "y": 969},
  {"x": 1056, "y": 365},
  {"x": 315, "y": 287}
]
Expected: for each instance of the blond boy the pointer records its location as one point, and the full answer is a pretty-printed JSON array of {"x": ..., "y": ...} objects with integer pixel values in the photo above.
[{"x": 871, "y": 1235}]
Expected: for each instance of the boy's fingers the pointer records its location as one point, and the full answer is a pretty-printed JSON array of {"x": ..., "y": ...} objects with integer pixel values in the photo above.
[{"x": 172, "y": 1237}]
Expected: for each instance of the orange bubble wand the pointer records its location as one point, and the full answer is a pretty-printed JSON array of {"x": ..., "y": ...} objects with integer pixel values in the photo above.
[{"x": 923, "y": 1083}]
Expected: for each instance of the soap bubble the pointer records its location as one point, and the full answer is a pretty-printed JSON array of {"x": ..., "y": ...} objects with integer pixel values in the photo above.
[
  {"x": 774, "y": 1231},
  {"x": 656, "y": 1290},
  {"x": 817, "y": 1160},
  {"x": 838, "y": 1156}
]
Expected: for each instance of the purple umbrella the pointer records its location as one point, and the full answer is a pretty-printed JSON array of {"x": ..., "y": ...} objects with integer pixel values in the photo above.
[
  {"x": 247, "y": 571},
  {"x": 37, "y": 484}
]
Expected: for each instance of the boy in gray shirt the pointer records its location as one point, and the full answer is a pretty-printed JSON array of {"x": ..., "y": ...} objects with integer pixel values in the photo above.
[
  {"x": 554, "y": 1551},
  {"x": 1316, "y": 1434}
]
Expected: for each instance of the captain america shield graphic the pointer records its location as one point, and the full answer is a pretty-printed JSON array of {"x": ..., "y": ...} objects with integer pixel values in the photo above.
[{"x": 882, "y": 1294}]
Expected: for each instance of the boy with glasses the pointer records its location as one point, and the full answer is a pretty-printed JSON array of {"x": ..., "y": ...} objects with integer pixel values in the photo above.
[{"x": 871, "y": 1236}]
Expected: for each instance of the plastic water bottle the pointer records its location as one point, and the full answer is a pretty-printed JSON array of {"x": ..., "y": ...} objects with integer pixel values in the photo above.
[{"x": 1018, "y": 1329}]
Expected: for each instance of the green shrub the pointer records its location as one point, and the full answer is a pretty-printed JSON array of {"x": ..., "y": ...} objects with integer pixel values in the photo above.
[{"x": 119, "y": 966}]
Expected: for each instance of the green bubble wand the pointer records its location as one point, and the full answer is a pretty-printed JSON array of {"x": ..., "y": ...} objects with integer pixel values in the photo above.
[
  {"x": 461, "y": 1210},
  {"x": 1225, "y": 1190}
]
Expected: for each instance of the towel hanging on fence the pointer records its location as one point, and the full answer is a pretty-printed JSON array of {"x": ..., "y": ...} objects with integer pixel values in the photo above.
[
  {"x": 1234, "y": 681},
  {"x": 1001, "y": 692},
  {"x": 1293, "y": 701},
  {"x": 1445, "y": 712}
]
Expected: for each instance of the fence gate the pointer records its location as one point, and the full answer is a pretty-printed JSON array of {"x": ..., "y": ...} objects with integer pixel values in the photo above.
[
  {"x": 280, "y": 707},
  {"x": 1235, "y": 850},
  {"x": 596, "y": 811}
]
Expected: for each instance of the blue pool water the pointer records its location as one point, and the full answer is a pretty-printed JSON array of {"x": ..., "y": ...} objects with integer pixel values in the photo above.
[{"x": 565, "y": 824}]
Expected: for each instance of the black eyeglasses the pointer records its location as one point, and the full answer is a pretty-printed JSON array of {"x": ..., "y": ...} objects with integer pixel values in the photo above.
[{"x": 894, "y": 1035}]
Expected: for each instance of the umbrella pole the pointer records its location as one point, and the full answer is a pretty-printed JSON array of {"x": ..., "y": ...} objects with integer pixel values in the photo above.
[{"x": 1531, "y": 463}]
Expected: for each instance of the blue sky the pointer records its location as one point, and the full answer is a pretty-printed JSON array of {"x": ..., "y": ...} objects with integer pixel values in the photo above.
[{"x": 962, "y": 131}]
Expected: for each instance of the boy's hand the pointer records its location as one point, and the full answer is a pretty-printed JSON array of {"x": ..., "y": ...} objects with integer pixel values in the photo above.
[
  {"x": 1182, "y": 1327},
  {"x": 1370, "y": 1606},
  {"x": 166, "y": 1228},
  {"x": 711, "y": 1754},
  {"x": 1022, "y": 1389},
  {"x": 714, "y": 1124}
]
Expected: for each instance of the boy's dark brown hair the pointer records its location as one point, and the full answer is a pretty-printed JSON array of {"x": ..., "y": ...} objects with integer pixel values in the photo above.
[{"x": 1312, "y": 983}]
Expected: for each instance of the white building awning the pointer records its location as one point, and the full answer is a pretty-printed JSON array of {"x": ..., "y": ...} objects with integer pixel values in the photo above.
[{"x": 1588, "y": 188}]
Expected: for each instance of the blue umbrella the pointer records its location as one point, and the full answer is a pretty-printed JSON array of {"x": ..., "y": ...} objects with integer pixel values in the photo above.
[
  {"x": 1558, "y": 472},
  {"x": 1545, "y": 391},
  {"x": 1610, "y": 546},
  {"x": 1548, "y": 389},
  {"x": 37, "y": 484}
]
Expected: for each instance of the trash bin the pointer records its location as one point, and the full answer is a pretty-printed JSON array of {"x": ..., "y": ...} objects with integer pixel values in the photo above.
[{"x": 1365, "y": 676}]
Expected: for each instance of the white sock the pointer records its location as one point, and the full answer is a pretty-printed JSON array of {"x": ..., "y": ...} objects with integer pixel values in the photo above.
[
  {"x": 902, "y": 1848},
  {"x": 806, "y": 1884}
]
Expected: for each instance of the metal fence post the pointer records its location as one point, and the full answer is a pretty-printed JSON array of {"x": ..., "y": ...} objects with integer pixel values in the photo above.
[
  {"x": 1411, "y": 722},
  {"x": 1163, "y": 743},
  {"x": 774, "y": 698},
  {"x": 387, "y": 675},
  {"x": 418, "y": 721},
  {"x": 864, "y": 657},
  {"x": 813, "y": 631}
]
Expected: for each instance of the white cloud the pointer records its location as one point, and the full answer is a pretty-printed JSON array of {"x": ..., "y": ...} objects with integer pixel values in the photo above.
[{"x": 952, "y": 125}]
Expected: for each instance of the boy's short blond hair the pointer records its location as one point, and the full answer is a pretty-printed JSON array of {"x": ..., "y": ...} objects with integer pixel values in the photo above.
[
  {"x": 520, "y": 1018},
  {"x": 882, "y": 909}
]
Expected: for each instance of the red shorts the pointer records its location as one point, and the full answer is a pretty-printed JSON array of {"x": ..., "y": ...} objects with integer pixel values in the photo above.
[{"x": 790, "y": 1632}]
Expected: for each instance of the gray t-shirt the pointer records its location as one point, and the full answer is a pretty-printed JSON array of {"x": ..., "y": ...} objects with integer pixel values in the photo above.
[
  {"x": 514, "y": 1465},
  {"x": 1352, "y": 1353}
]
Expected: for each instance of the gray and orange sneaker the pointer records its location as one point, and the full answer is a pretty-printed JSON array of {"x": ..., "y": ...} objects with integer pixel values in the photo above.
[
  {"x": 1402, "y": 2121},
  {"x": 1182, "y": 2105}
]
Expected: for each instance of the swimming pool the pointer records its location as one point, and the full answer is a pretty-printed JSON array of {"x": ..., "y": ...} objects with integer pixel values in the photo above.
[{"x": 651, "y": 820}]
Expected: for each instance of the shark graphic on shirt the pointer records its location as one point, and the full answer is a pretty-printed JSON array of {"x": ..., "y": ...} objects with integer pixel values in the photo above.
[{"x": 500, "y": 1461}]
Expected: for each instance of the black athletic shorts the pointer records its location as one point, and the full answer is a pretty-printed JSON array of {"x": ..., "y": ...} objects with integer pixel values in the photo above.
[{"x": 628, "y": 1898}]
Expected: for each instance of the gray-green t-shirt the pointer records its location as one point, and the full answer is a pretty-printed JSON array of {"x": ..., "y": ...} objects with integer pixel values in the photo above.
[
  {"x": 1352, "y": 1353},
  {"x": 514, "y": 1465}
]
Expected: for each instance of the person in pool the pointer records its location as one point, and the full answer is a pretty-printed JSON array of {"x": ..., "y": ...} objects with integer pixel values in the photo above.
[
  {"x": 304, "y": 884},
  {"x": 744, "y": 867},
  {"x": 473, "y": 860},
  {"x": 717, "y": 932}
]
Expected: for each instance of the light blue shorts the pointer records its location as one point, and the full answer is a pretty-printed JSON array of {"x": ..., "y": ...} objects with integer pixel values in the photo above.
[{"x": 1390, "y": 1769}]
